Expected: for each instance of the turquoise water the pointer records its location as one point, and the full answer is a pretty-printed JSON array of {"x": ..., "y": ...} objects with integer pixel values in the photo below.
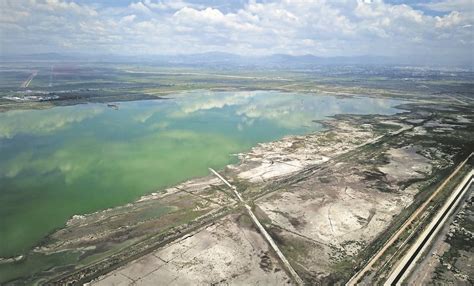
[{"x": 78, "y": 159}]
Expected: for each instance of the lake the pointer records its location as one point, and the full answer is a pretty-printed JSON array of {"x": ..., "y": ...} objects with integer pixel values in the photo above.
[{"x": 79, "y": 159}]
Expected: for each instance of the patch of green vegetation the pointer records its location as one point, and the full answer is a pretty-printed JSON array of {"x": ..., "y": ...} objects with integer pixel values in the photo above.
[
  {"x": 459, "y": 239},
  {"x": 343, "y": 269}
]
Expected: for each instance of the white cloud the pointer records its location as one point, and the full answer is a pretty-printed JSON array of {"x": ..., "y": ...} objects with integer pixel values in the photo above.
[
  {"x": 169, "y": 4},
  {"x": 320, "y": 27},
  {"x": 140, "y": 7},
  {"x": 128, "y": 18},
  {"x": 61, "y": 6},
  {"x": 453, "y": 19}
]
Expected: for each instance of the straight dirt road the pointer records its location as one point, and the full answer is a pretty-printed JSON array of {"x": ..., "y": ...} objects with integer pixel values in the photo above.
[
  {"x": 263, "y": 231},
  {"x": 27, "y": 82}
]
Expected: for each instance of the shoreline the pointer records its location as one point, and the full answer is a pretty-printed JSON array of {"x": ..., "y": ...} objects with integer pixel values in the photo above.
[
  {"x": 243, "y": 163},
  {"x": 262, "y": 176},
  {"x": 303, "y": 129}
]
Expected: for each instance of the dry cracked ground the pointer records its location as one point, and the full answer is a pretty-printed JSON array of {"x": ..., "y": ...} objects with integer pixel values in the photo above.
[{"x": 325, "y": 199}]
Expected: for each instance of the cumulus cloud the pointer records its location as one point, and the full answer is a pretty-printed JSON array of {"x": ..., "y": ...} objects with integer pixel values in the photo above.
[
  {"x": 128, "y": 18},
  {"x": 140, "y": 7},
  {"x": 170, "y": 4},
  {"x": 452, "y": 19},
  {"x": 319, "y": 27}
]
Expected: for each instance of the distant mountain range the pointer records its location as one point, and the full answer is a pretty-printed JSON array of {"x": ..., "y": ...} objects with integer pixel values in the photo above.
[
  {"x": 275, "y": 60},
  {"x": 219, "y": 59}
]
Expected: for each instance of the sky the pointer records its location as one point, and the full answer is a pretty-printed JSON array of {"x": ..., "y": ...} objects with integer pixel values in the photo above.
[{"x": 393, "y": 28}]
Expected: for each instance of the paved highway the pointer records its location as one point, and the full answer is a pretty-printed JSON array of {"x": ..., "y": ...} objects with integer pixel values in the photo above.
[
  {"x": 359, "y": 275},
  {"x": 406, "y": 264}
]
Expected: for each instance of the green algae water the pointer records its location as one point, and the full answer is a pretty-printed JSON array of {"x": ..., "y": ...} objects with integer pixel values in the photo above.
[{"x": 63, "y": 161}]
